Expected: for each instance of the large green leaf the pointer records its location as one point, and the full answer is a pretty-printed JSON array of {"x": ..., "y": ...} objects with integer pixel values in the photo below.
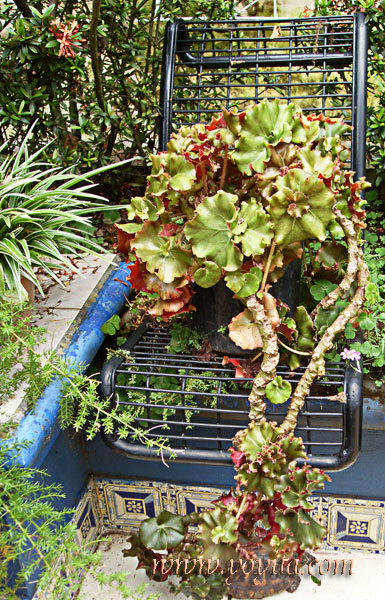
[
  {"x": 305, "y": 531},
  {"x": 146, "y": 209},
  {"x": 210, "y": 231},
  {"x": 162, "y": 254},
  {"x": 297, "y": 485},
  {"x": 181, "y": 171},
  {"x": 267, "y": 123},
  {"x": 313, "y": 162},
  {"x": 251, "y": 153},
  {"x": 254, "y": 229},
  {"x": 164, "y": 531},
  {"x": 301, "y": 208},
  {"x": 218, "y": 533}
]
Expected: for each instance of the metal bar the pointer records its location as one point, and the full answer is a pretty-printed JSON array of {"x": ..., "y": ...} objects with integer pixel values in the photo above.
[{"x": 360, "y": 58}]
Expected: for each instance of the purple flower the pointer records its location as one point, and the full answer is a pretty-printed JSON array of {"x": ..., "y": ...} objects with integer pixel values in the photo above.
[{"x": 347, "y": 354}]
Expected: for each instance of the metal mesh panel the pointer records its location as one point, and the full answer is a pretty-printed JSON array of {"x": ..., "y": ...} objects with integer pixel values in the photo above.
[
  {"x": 318, "y": 63},
  {"x": 238, "y": 63},
  {"x": 207, "y": 420}
]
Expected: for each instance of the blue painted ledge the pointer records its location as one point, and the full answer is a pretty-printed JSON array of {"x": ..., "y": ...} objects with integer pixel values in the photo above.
[{"x": 40, "y": 428}]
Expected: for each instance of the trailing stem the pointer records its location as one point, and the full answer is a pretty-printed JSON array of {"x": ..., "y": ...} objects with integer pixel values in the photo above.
[
  {"x": 269, "y": 362},
  {"x": 267, "y": 267},
  {"x": 352, "y": 266},
  {"x": 316, "y": 365}
]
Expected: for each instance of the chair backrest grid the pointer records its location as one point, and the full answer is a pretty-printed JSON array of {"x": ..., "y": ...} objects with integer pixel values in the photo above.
[{"x": 311, "y": 62}]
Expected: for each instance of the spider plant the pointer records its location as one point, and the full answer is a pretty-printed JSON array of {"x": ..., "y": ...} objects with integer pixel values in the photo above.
[{"x": 45, "y": 215}]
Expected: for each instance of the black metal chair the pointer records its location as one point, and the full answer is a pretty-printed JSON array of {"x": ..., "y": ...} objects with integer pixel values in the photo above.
[{"x": 320, "y": 64}]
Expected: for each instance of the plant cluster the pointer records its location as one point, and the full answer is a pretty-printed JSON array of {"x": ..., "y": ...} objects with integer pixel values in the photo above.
[
  {"x": 38, "y": 536},
  {"x": 50, "y": 49},
  {"x": 268, "y": 511},
  {"x": 45, "y": 218},
  {"x": 374, "y": 10},
  {"x": 240, "y": 199}
]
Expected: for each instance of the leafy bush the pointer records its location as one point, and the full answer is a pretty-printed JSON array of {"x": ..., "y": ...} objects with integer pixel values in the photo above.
[
  {"x": 88, "y": 73},
  {"x": 374, "y": 10},
  {"x": 39, "y": 536}
]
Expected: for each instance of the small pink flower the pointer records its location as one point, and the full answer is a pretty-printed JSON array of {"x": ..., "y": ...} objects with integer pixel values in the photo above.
[{"x": 347, "y": 354}]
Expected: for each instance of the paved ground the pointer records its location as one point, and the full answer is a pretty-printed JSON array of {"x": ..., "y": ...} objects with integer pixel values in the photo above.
[{"x": 367, "y": 581}]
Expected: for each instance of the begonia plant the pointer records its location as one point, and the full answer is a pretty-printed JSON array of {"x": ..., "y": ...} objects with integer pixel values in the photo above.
[{"x": 239, "y": 199}]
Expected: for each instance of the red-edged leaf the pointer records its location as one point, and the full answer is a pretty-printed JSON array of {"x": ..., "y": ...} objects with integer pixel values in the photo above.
[
  {"x": 286, "y": 331},
  {"x": 136, "y": 278},
  {"x": 168, "y": 308},
  {"x": 244, "y": 332}
]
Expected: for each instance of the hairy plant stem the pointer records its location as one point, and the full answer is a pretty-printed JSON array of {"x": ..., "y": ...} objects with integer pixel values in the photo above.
[
  {"x": 224, "y": 169},
  {"x": 316, "y": 365},
  {"x": 270, "y": 358},
  {"x": 351, "y": 269},
  {"x": 311, "y": 257},
  {"x": 267, "y": 267}
]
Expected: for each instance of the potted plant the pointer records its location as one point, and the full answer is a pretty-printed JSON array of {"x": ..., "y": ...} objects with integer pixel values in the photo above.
[{"x": 238, "y": 200}]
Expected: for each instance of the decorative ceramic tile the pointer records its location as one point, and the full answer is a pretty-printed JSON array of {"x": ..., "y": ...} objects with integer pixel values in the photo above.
[
  {"x": 127, "y": 505},
  {"x": 86, "y": 518},
  {"x": 355, "y": 525},
  {"x": 352, "y": 524}
]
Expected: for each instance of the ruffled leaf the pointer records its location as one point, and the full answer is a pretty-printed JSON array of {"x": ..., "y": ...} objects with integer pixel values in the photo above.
[
  {"x": 254, "y": 229},
  {"x": 244, "y": 284},
  {"x": 210, "y": 231},
  {"x": 301, "y": 208},
  {"x": 162, "y": 254}
]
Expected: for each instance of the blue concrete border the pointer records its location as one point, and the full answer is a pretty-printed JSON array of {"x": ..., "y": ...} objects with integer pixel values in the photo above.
[{"x": 40, "y": 428}]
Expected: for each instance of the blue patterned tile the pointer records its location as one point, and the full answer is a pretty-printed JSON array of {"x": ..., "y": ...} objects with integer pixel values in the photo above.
[
  {"x": 127, "y": 505},
  {"x": 87, "y": 519},
  {"x": 353, "y": 524}
]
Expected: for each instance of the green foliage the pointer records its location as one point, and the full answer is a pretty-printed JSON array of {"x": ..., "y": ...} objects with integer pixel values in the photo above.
[
  {"x": 18, "y": 362},
  {"x": 38, "y": 535},
  {"x": 278, "y": 391},
  {"x": 212, "y": 212},
  {"x": 374, "y": 10},
  {"x": 184, "y": 339},
  {"x": 45, "y": 216},
  {"x": 162, "y": 532},
  {"x": 111, "y": 326},
  {"x": 92, "y": 119}
]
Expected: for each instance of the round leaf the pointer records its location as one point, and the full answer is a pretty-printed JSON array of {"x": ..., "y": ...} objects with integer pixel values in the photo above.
[
  {"x": 162, "y": 532},
  {"x": 278, "y": 390},
  {"x": 244, "y": 332},
  {"x": 162, "y": 254},
  {"x": 244, "y": 284},
  {"x": 208, "y": 275}
]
